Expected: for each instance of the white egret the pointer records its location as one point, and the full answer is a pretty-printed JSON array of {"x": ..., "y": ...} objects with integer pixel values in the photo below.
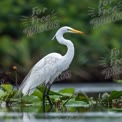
[{"x": 50, "y": 67}]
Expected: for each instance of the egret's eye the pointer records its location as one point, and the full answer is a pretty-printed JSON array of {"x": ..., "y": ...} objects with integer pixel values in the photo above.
[{"x": 68, "y": 29}]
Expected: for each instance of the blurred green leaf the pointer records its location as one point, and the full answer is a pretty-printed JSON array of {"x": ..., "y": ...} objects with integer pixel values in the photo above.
[
  {"x": 38, "y": 93},
  {"x": 76, "y": 104},
  {"x": 115, "y": 109},
  {"x": 31, "y": 100},
  {"x": 67, "y": 90},
  {"x": 115, "y": 95},
  {"x": 7, "y": 87},
  {"x": 82, "y": 97},
  {"x": 2, "y": 93}
]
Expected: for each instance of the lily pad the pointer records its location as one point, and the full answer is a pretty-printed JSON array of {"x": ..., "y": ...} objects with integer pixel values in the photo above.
[
  {"x": 38, "y": 94},
  {"x": 67, "y": 90},
  {"x": 31, "y": 100},
  {"x": 115, "y": 95},
  {"x": 77, "y": 104}
]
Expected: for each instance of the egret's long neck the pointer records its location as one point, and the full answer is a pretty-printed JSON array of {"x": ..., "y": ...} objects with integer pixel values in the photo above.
[{"x": 70, "y": 52}]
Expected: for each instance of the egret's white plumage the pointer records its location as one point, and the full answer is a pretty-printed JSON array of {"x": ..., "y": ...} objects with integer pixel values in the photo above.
[{"x": 51, "y": 66}]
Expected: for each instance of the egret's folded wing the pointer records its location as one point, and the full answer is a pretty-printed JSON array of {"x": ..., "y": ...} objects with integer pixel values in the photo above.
[{"x": 41, "y": 72}]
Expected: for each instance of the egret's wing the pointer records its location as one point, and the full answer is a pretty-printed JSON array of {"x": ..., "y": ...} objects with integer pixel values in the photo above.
[
  {"x": 41, "y": 75},
  {"x": 24, "y": 82},
  {"x": 41, "y": 72}
]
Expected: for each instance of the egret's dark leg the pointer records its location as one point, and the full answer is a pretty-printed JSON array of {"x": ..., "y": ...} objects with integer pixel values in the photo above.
[
  {"x": 48, "y": 90},
  {"x": 46, "y": 94}
]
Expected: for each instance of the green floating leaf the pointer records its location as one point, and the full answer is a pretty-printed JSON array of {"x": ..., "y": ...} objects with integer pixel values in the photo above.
[
  {"x": 55, "y": 98},
  {"x": 41, "y": 89},
  {"x": 33, "y": 100},
  {"x": 118, "y": 81},
  {"x": 2, "y": 93},
  {"x": 82, "y": 97},
  {"x": 77, "y": 104},
  {"x": 115, "y": 95},
  {"x": 38, "y": 94},
  {"x": 116, "y": 109},
  {"x": 67, "y": 92},
  {"x": 55, "y": 93},
  {"x": 7, "y": 87},
  {"x": 62, "y": 94}
]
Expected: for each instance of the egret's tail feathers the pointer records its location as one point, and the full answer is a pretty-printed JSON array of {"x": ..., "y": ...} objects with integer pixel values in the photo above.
[
  {"x": 25, "y": 91},
  {"x": 21, "y": 92},
  {"x": 31, "y": 91}
]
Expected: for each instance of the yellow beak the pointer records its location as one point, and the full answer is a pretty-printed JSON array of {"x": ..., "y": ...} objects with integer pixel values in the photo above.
[{"x": 77, "y": 31}]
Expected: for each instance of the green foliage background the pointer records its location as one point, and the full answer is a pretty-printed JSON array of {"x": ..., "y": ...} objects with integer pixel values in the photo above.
[{"x": 18, "y": 49}]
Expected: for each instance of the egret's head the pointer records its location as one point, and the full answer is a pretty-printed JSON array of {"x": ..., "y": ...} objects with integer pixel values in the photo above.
[{"x": 67, "y": 29}]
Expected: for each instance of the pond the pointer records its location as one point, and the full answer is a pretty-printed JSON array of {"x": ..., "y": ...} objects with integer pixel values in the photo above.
[
  {"x": 94, "y": 113},
  {"x": 90, "y": 87},
  {"x": 61, "y": 117}
]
